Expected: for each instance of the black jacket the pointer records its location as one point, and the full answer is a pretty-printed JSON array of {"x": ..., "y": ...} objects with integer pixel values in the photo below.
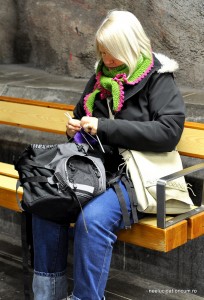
[{"x": 152, "y": 117}]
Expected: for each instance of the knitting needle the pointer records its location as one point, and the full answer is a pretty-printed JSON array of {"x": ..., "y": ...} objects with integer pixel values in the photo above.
[
  {"x": 69, "y": 117},
  {"x": 100, "y": 143}
]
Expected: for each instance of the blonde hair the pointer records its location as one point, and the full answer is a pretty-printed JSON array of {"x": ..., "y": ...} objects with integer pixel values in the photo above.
[{"x": 123, "y": 36}]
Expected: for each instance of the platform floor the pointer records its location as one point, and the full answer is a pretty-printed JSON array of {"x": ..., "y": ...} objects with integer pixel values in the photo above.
[{"x": 121, "y": 285}]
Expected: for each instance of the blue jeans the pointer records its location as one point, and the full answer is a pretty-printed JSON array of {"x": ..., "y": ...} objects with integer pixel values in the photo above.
[{"x": 92, "y": 250}]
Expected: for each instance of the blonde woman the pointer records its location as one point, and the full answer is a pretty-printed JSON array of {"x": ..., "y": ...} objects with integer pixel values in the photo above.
[{"x": 131, "y": 101}]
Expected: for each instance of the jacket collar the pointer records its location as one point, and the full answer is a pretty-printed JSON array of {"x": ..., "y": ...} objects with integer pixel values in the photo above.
[
  {"x": 167, "y": 65},
  {"x": 162, "y": 64}
]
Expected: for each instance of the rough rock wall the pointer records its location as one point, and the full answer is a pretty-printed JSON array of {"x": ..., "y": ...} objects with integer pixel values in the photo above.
[
  {"x": 177, "y": 29},
  {"x": 58, "y": 36},
  {"x": 8, "y": 28}
]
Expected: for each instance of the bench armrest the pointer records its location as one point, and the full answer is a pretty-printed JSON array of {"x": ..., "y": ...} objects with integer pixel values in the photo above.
[{"x": 161, "y": 197}]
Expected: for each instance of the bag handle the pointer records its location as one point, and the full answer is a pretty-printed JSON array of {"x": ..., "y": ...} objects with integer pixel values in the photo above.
[{"x": 126, "y": 218}]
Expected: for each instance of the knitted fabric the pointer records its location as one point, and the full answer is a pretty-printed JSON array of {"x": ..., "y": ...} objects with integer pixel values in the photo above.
[{"x": 111, "y": 83}]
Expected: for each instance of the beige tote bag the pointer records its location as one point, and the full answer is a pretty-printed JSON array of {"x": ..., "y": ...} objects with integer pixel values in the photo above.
[{"x": 145, "y": 168}]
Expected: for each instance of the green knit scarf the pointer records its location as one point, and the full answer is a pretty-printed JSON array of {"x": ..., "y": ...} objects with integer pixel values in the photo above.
[{"x": 110, "y": 82}]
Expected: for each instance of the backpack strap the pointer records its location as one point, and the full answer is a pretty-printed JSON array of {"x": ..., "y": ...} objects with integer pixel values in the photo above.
[
  {"x": 18, "y": 184},
  {"x": 114, "y": 183},
  {"x": 126, "y": 218},
  {"x": 133, "y": 200},
  {"x": 34, "y": 179}
]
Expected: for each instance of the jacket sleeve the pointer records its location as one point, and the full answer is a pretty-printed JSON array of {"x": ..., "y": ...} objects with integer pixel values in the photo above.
[{"x": 163, "y": 129}]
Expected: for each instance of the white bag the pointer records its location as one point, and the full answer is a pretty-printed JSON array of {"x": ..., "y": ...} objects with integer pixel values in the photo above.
[{"x": 145, "y": 168}]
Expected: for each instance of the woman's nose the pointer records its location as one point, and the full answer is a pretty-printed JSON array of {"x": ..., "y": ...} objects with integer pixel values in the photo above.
[{"x": 107, "y": 60}]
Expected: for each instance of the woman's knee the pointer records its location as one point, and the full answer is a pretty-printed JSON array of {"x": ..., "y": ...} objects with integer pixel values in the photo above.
[
  {"x": 89, "y": 218},
  {"x": 97, "y": 218}
]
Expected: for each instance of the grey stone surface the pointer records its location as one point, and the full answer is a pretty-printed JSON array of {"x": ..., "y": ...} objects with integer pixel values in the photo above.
[
  {"x": 8, "y": 29},
  {"x": 25, "y": 81},
  {"x": 194, "y": 100},
  {"x": 181, "y": 268},
  {"x": 176, "y": 28},
  {"x": 58, "y": 36},
  {"x": 121, "y": 284}
]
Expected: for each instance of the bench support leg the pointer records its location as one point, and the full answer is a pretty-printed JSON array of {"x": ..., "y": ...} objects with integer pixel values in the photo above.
[{"x": 25, "y": 256}]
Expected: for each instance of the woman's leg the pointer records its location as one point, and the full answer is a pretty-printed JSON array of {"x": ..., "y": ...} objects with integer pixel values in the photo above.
[
  {"x": 50, "y": 259},
  {"x": 93, "y": 250}
]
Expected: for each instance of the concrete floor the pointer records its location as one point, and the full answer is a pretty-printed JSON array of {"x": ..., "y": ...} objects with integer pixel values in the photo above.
[{"x": 121, "y": 285}]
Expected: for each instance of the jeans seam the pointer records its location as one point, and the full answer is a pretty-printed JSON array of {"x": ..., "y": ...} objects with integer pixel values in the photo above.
[
  {"x": 53, "y": 283},
  {"x": 55, "y": 260},
  {"x": 44, "y": 274}
]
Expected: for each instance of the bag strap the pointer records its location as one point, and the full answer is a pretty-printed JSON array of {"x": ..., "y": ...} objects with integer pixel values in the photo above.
[
  {"x": 34, "y": 179},
  {"x": 114, "y": 183},
  {"x": 123, "y": 206},
  {"x": 127, "y": 183},
  {"x": 133, "y": 200},
  {"x": 18, "y": 184}
]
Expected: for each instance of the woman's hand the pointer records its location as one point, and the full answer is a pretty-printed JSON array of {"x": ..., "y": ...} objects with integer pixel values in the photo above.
[
  {"x": 73, "y": 126},
  {"x": 89, "y": 124}
]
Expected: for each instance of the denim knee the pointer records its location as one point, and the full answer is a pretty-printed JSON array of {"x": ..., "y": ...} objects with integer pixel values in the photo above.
[{"x": 103, "y": 212}]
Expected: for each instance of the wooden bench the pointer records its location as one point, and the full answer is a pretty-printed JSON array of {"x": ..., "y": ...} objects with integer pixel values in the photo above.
[{"x": 49, "y": 117}]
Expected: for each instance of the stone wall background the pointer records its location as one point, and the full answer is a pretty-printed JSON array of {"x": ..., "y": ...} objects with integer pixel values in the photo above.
[
  {"x": 8, "y": 29},
  {"x": 58, "y": 36}
]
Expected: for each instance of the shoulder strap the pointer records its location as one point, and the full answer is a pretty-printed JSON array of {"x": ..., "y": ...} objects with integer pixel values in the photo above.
[
  {"x": 126, "y": 217},
  {"x": 114, "y": 183},
  {"x": 133, "y": 200}
]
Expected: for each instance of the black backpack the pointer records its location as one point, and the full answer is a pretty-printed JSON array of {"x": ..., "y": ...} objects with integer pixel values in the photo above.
[{"x": 58, "y": 180}]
